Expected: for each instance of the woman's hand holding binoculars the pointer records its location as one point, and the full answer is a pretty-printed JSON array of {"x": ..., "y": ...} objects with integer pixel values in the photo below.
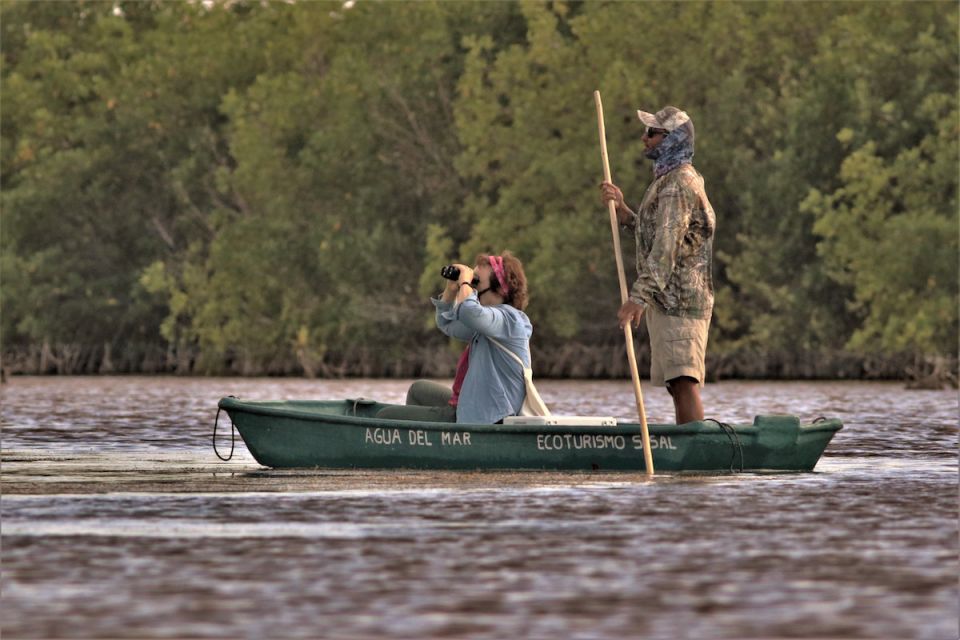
[{"x": 457, "y": 275}]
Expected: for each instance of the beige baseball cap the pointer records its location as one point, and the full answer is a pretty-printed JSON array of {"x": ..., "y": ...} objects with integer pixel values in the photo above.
[{"x": 668, "y": 118}]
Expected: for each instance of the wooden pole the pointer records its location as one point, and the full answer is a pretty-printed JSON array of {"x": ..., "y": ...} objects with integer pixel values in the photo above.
[{"x": 627, "y": 330}]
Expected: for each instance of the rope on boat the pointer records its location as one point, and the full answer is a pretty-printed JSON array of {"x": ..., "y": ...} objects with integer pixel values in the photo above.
[
  {"x": 233, "y": 435},
  {"x": 734, "y": 442},
  {"x": 819, "y": 419}
]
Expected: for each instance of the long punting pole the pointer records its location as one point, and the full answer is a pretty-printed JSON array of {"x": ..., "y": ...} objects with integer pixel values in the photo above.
[{"x": 627, "y": 330}]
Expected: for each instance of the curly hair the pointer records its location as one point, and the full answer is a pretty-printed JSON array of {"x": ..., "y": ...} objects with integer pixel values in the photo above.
[{"x": 516, "y": 279}]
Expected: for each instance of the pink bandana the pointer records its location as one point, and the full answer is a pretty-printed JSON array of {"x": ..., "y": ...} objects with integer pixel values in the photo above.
[{"x": 497, "y": 263}]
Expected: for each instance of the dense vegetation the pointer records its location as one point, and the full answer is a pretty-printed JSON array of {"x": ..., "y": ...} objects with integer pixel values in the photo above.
[{"x": 272, "y": 187}]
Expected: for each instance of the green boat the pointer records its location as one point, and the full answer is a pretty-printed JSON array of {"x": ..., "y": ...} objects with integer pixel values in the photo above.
[{"x": 346, "y": 434}]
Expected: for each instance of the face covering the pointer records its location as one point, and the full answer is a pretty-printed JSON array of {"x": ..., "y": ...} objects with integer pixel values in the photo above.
[{"x": 674, "y": 150}]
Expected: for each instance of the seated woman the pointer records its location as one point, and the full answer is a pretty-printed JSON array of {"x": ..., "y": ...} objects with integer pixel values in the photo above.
[{"x": 489, "y": 384}]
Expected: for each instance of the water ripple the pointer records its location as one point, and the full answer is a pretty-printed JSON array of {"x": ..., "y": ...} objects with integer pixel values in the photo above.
[{"x": 119, "y": 522}]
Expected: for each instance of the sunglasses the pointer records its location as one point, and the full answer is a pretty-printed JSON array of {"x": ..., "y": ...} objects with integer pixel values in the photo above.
[{"x": 655, "y": 132}]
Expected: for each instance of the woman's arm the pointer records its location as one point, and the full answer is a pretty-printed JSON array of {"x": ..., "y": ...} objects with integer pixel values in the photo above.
[
  {"x": 447, "y": 321},
  {"x": 490, "y": 321},
  {"x": 453, "y": 294}
]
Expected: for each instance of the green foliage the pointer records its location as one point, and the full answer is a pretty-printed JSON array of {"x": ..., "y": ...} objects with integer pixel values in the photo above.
[
  {"x": 890, "y": 232},
  {"x": 274, "y": 187},
  {"x": 869, "y": 71}
]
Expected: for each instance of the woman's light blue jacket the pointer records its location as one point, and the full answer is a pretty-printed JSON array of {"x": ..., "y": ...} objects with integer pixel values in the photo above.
[{"x": 493, "y": 387}]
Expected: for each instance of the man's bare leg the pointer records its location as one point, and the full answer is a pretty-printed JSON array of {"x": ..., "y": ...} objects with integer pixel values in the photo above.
[{"x": 686, "y": 399}]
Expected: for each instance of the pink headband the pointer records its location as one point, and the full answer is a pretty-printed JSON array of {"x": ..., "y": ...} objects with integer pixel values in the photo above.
[{"x": 497, "y": 263}]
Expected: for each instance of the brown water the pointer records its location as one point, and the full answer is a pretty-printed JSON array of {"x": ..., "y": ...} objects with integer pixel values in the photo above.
[{"x": 118, "y": 521}]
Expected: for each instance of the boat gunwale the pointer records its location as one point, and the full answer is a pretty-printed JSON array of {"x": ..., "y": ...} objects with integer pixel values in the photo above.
[{"x": 691, "y": 428}]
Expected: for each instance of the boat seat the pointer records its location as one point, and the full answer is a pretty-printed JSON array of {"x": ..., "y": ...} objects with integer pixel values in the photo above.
[{"x": 561, "y": 421}]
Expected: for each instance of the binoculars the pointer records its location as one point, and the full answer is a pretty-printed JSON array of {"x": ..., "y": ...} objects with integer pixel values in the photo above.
[{"x": 451, "y": 272}]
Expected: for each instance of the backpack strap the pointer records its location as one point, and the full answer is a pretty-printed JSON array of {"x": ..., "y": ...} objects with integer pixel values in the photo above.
[
  {"x": 509, "y": 353},
  {"x": 533, "y": 404}
]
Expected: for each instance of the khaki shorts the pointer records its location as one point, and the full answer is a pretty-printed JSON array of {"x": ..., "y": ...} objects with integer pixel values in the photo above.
[{"x": 677, "y": 346}]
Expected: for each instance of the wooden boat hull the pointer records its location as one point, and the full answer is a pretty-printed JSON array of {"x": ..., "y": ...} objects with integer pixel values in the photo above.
[{"x": 345, "y": 434}]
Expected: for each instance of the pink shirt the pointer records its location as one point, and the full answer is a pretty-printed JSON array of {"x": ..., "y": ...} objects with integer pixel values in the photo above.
[{"x": 462, "y": 365}]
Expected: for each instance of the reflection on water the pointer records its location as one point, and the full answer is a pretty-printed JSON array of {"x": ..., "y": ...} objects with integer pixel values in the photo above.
[{"x": 118, "y": 521}]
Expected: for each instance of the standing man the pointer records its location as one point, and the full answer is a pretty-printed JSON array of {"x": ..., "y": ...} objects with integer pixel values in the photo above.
[{"x": 674, "y": 228}]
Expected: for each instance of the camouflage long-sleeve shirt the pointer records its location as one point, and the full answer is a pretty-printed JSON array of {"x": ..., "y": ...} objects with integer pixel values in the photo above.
[{"x": 674, "y": 228}]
